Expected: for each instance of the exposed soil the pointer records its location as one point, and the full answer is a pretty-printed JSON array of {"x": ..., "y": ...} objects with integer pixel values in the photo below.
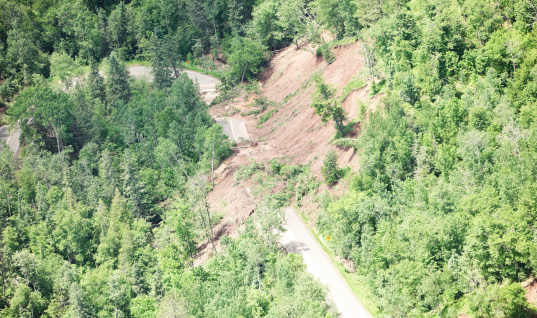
[
  {"x": 531, "y": 290},
  {"x": 295, "y": 134}
]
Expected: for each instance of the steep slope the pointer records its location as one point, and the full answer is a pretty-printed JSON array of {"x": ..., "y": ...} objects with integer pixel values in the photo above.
[{"x": 294, "y": 133}]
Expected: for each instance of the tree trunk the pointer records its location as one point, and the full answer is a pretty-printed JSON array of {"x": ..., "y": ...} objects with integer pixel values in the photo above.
[
  {"x": 57, "y": 141},
  {"x": 3, "y": 279},
  {"x": 244, "y": 72},
  {"x": 338, "y": 125},
  {"x": 212, "y": 167},
  {"x": 215, "y": 35},
  {"x": 209, "y": 225}
]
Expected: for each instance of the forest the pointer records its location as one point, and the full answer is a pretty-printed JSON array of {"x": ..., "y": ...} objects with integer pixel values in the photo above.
[
  {"x": 103, "y": 210},
  {"x": 440, "y": 219},
  {"x": 105, "y": 206}
]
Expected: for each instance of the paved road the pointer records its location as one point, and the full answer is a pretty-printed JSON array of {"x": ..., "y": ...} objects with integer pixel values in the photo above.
[
  {"x": 234, "y": 129},
  {"x": 297, "y": 239},
  {"x": 12, "y": 139},
  {"x": 145, "y": 71},
  {"x": 207, "y": 89},
  {"x": 207, "y": 83}
]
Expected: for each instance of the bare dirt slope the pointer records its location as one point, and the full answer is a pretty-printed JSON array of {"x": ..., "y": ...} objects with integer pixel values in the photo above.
[{"x": 295, "y": 134}]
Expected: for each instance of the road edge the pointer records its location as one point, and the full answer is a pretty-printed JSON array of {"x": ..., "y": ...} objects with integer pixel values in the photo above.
[{"x": 327, "y": 258}]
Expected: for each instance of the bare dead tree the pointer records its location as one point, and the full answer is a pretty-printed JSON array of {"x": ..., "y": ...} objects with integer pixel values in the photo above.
[
  {"x": 476, "y": 140},
  {"x": 368, "y": 56},
  {"x": 515, "y": 52},
  {"x": 513, "y": 135}
]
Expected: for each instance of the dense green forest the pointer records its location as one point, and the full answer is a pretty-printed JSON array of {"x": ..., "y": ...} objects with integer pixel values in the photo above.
[
  {"x": 441, "y": 217},
  {"x": 102, "y": 212}
]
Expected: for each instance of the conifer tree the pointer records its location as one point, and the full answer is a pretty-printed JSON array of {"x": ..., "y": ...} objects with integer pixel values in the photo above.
[
  {"x": 118, "y": 82},
  {"x": 96, "y": 82},
  {"x": 326, "y": 105},
  {"x": 161, "y": 71}
]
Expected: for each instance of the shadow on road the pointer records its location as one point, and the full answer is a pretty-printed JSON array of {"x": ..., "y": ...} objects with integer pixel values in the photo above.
[{"x": 296, "y": 247}]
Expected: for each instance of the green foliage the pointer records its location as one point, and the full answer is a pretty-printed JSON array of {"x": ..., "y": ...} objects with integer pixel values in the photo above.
[
  {"x": 435, "y": 219},
  {"x": 161, "y": 72},
  {"x": 326, "y": 105},
  {"x": 95, "y": 219},
  {"x": 62, "y": 66},
  {"x": 267, "y": 116},
  {"x": 47, "y": 116},
  {"x": 355, "y": 83},
  {"x": 330, "y": 170},
  {"x": 337, "y": 16},
  {"x": 253, "y": 278},
  {"x": 325, "y": 51},
  {"x": 103, "y": 229},
  {"x": 246, "y": 59},
  {"x": 117, "y": 82},
  {"x": 247, "y": 171}
]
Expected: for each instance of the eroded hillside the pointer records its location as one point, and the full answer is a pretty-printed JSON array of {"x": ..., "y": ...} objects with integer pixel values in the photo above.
[{"x": 293, "y": 134}]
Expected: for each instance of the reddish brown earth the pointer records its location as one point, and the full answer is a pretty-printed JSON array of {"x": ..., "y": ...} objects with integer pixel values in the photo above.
[{"x": 295, "y": 134}]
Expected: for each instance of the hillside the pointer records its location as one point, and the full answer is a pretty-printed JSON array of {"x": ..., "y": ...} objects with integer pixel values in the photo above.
[
  {"x": 294, "y": 134},
  {"x": 403, "y": 133}
]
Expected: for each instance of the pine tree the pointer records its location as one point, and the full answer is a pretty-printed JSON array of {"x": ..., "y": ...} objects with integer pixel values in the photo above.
[
  {"x": 161, "y": 72},
  {"x": 96, "y": 82},
  {"x": 326, "y": 105},
  {"x": 131, "y": 186},
  {"x": 118, "y": 82}
]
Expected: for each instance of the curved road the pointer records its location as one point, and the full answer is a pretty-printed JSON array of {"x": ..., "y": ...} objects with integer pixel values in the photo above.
[
  {"x": 297, "y": 239},
  {"x": 207, "y": 89},
  {"x": 207, "y": 83}
]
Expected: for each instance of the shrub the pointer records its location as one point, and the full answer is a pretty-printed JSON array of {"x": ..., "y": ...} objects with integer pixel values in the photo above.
[{"x": 330, "y": 170}]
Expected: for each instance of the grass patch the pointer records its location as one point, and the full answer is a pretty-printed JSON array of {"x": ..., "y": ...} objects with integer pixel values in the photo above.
[
  {"x": 355, "y": 281},
  {"x": 260, "y": 104},
  {"x": 289, "y": 96},
  {"x": 267, "y": 116},
  {"x": 345, "y": 41},
  {"x": 355, "y": 83},
  {"x": 376, "y": 88},
  {"x": 252, "y": 112},
  {"x": 4, "y": 120},
  {"x": 212, "y": 72}
]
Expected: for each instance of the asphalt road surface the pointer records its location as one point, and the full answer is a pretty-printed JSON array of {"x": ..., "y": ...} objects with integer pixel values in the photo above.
[
  {"x": 234, "y": 129},
  {"x": 207, "y": 89},
  {"x": 12, "y": 139},
  {"x": 298, "y": 240},
  {"x": 207, "y": 83}
]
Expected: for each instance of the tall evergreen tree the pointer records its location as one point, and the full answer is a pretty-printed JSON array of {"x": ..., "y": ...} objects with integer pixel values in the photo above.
[
  {"x": 118, "y": 87},
  {"x": 161, "y": 72},
  {"x": 96, "y": 82}
]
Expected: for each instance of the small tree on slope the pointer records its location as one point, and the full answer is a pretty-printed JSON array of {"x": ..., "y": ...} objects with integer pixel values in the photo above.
[{"x": 326, "y": 105}]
